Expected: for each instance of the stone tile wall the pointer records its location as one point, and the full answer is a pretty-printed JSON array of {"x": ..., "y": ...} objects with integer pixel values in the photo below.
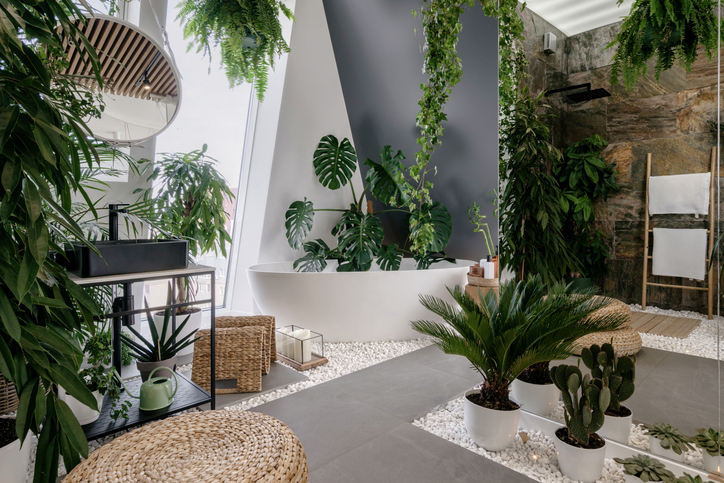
[{"x": 668, "y": 118}]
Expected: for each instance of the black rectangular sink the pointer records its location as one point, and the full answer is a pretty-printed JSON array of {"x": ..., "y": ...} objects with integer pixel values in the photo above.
[{"x": 127, "y": 256}]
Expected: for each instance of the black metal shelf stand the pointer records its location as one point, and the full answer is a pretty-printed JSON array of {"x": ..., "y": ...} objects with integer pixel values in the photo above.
[{"x": 189, "y": 395}]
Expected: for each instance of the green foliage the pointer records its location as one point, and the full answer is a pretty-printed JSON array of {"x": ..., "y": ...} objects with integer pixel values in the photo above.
[
  {"x": 248, "y": 32},
  {"x": 584, "y": 402},
  {"x": 531, "y": 222},
  {"x": 502, "y": 337},
  {"x": 709, "y": 440},
  {"x": 160, "y": 347},
  {"x": 669, "y": 437},
  {"x": 645, "y": 468},
  {"x": 360, "y": 235},
  {"x": 98, "y": 349},
  {"x": 665, "y": 30},
  {"x": 687, "y": 478},
  {"x": 615, "y": 373},
  {"x": 481, "y": 227}
]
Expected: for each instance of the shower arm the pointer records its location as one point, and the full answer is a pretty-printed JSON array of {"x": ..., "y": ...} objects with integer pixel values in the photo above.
[{"x": 587, "y": 85}]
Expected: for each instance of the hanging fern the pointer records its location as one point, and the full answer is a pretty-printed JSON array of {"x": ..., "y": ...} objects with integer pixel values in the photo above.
[
  {"x": 248, "y": 32},
  {"x": 667, "y": 30}
]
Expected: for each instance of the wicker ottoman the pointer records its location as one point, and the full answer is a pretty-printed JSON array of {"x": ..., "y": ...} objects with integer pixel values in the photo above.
[
  {"x": 207, "y": 446},
  {"x": 626, "y": 341}
]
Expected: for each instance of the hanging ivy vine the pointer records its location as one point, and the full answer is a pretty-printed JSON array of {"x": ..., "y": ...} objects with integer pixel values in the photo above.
[{"x": 667, "y": 30}]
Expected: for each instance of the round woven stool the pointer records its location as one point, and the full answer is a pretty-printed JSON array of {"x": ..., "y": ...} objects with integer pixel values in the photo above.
[
  {"x": 205, "y": 446},
  {"x": 626, "y": 341}
]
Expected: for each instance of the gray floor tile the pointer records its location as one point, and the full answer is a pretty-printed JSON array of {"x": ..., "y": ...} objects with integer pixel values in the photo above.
[
  {"x": 406, "y": 390},
  {"x": 328, "y": 421},
  {"x": 407, "y": 454}
]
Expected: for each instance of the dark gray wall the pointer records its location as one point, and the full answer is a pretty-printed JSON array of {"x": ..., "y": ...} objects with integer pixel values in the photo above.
[{"x": 380, "y": 67}]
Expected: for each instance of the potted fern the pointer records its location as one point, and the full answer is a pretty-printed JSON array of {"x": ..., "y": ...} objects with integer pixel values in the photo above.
[
  {"x": 581, "y": 452},
  {"x": 711, "y": 443},
  {"x": 248, "y": 32},
  {"x": 644, "y": 468},
  {"x": 667, "y": 441},
  {"x": 501, "y": 337}
]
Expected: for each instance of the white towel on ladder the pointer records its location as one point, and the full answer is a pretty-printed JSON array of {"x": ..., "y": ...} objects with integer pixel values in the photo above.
[
  {"x": 681, "y": 193},
  {"x": 679, "y": 253}
]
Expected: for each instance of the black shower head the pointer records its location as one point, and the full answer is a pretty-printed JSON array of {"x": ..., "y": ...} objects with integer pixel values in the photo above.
[{"x": 589, "y": 95}]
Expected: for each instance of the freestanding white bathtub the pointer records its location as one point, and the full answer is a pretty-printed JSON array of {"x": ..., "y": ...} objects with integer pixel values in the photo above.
[{"x": 353, "y": 306}]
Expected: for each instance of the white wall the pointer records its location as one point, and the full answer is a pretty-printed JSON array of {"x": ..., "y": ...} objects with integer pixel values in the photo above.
[{"x": 303, "y": 103}]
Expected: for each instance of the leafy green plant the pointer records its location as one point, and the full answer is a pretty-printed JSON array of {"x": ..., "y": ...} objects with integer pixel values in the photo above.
[
  {"x": 501, "y": 337},
  {"x": 160, "y": 347},
  {"x": 615, "y": 373},
  {"x": 531, "y": 218},
  {"x": 481, "y": 227},
  {"x": 360, "y": 235},
  {"x": 687, "y": 478},
  {"x": 96, "y": 377},
  {"x": 645, "y": 468},
  {"x": 709, "y": 440},
  {"x": 248, "y": 32},
  {"x": 189, "y": 200},
  {"x": 667, "y": 30},
  {"x": 669, "y": 437},
  {"x": 584, "y": 177},
  {"x": 583, "y": 401}
]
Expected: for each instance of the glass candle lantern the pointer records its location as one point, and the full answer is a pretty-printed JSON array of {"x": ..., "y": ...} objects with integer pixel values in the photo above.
[{"x": 299, "y": 344}]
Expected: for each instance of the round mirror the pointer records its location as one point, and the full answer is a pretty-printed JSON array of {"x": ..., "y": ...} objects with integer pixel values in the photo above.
[{"x": 141, "y": 84}]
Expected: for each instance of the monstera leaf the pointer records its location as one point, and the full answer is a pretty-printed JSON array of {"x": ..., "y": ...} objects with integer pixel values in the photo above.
[
  {"x": 434, "y": 223},
  {"x": 299, "y": 220},
  {"x": 389, "y": 257},
  {"x": 386, "y": 179},
  {"x": 315, "y": 258},
  {"x": 334, "y": 162},
  {"x": 360, "y": 238},
  {"x": 424, "y": 260}
]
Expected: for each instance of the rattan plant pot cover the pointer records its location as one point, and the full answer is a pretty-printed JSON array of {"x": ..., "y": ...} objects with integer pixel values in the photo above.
[
  {"x": 8, "y": 396},
  {"x": 200, "y": 447}
]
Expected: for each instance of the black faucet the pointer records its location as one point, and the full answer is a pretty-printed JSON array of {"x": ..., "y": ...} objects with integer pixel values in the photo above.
[{"x": 113, "y": 210}]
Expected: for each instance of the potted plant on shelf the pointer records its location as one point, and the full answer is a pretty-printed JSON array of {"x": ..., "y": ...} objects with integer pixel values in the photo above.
[
  {"x": 502, "y": 337},
  {"x": 581, "y": 452},
  {"x": 248, "y": 32},
  {"x": 618, "y": 375},
  {"x": 14, "y": 454},
  {"x": 666, "y": 441},
  {"x": 711, "y": 443},
  {"x": 644, "y": 468},
  {"x": 161, "y": 350},
  {"x": 190, "y": 195},
  {"x": 687, "y": 478}
]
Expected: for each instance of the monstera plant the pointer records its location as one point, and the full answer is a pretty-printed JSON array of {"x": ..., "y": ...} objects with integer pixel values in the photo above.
[{"x": 359, "y": 234}]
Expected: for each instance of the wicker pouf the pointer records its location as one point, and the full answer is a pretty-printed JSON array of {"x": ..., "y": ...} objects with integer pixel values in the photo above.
[
  {"x": 626, "y": 341},
  {"x": 206, "y": 446},
  {"x": 8, "y": 396}
]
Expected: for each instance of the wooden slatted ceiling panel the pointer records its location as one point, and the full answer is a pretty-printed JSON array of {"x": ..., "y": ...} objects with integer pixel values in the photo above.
[{"x": 124, "y": 55}]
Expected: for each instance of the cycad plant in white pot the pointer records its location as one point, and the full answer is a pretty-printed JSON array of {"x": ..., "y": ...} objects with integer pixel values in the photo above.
[
  {"x": 618, "y": 375},
  {"x": 190, "y": 194},
  {"x": 501, "y": 337},
  {"x": 711, "y": 443},
  {"x": 667, "y": 441}
]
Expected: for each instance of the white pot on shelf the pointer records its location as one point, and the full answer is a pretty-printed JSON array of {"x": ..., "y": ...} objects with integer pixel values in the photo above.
[
  {"x": 14, "y": 461},
  {"x": 616, "y": 428},
  {"x": 632, "y": 479},
  {"x": 539, "y": 399},
  {"x": 581, "y": 464},
  {"x": 193, "y": 324},
  {"x": 655, "y": 448},
  {"x": 713, "y": 463},
  {"x": 83, "y": 413},
  {"x": 491, "y": 429}
]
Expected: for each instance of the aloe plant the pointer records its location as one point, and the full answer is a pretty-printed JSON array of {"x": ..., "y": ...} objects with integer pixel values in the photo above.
[
  {"x": 669, "y": 437},
  {"x": 360, "y": 235},
  {"x": 584, "y": 402},
  {"x": 160, "y": 347},
  {"x": 615, "y": 373},
  {"x": 645, "y": 468},
  {"x": 709, "y": 440}
]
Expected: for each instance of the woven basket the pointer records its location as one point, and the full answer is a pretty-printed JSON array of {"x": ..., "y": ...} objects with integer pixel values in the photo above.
[
  {"x": 239, "y": 355},
  {"x": 626, "y": 341},
  {"x": 266, "y": 321},
  {"x": 200, "y": 447},
  {"x": 483, "y": 282},
  {"x": 8, "y": 396}
]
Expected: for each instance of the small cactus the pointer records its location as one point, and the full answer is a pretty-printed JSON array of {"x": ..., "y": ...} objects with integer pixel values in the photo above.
[
  {"x": 645, "y": 468},
  {"x": 584, "y": 402},
  {"x": 709, "y": 440},
  {"x": 616, "y": 373}
]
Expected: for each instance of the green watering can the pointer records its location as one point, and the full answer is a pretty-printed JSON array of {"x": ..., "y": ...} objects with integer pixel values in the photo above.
[{"x": 156, "y": 391}]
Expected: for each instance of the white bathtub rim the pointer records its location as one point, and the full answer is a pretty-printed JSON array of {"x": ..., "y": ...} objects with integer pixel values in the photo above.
[{"x": 407, "y": 265}]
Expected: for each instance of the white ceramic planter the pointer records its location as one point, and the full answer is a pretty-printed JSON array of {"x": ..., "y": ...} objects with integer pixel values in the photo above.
[
  {"x": 490, "y": 429},
  {"x": 655, "y": 448},
  {"x": 616, "y": 428},
  {"x": 14, "y": 461},
  {"x": 713, "y": 463},
  {"x": 82, "y": 413},
  {"x": 632, "y": 479},
  {"x": 585, "y": 465},
  {"x": 535, "y": 398},
  {"x": 193, "y": 324}
]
